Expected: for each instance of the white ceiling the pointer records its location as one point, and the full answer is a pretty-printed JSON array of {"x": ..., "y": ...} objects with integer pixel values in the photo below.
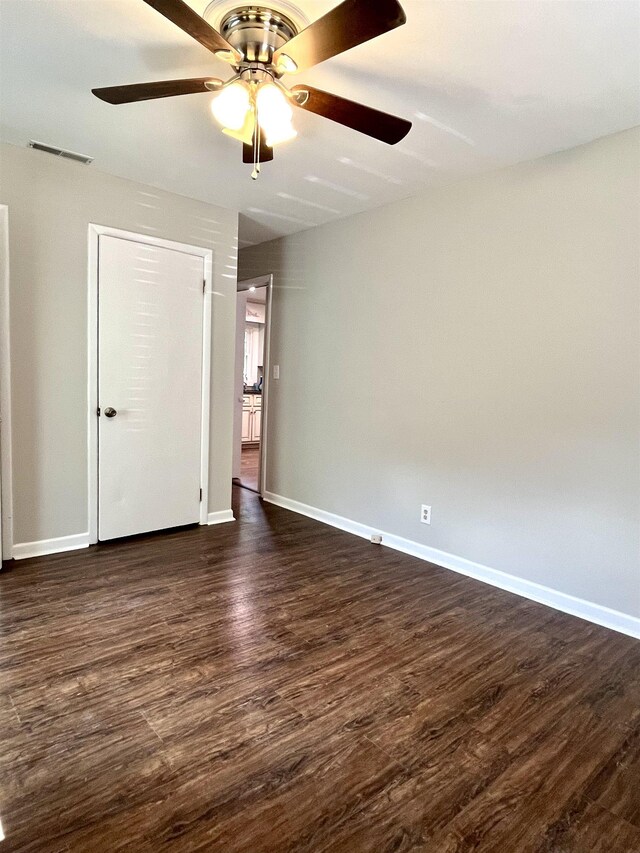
[{"x": 487, "y": 84}]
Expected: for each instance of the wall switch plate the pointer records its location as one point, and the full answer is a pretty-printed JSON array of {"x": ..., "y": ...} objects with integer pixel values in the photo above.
[
  {"x": 425, "y": 514},
  {"x": 276, "y": 371}
]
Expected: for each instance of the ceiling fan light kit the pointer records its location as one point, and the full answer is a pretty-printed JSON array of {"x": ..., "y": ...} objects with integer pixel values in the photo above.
[{"x": 263, "y": 44}]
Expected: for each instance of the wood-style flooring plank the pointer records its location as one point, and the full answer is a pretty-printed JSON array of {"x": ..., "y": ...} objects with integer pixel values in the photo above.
[{"x": 278, "y": 686}]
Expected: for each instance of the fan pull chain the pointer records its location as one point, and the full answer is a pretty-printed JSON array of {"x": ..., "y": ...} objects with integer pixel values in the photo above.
[{"x": 256, "y": 149}]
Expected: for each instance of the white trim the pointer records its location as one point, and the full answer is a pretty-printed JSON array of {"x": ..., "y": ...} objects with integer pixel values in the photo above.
[
  {"x": 6, "y": 476},
  {"x": 245, "y": 284},
  {"x": 50, "y": 546},
  {"x": 92, "y": 381},
  {"x": 206, "y": 385},
  {"x": 221, "y": 517},
  {"x": 266, "y": 388},
  {"x": 95, "y": 232},
  {"x": 596, "y": 613}
]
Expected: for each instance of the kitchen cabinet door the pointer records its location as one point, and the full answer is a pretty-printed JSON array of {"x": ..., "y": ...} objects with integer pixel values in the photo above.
[
  {"x": 257, "y": 423},
  {"x": 247, "y": 417}
]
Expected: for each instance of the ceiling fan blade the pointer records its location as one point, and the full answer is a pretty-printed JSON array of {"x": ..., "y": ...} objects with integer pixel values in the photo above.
[
  {"x": 349, "y": 24},
  {"x": 266, "y": 153},
  {"x": 379, "y": 125},
  {"x": 148, "y": 91},
  {"x": 183, "y": 16}
]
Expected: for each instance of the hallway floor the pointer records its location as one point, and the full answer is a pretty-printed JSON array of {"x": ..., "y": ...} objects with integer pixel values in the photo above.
[{"x": 250, "y": 464}]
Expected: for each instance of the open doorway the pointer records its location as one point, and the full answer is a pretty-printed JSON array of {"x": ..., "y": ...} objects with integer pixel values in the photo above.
[{"x": 252, "y": 381}]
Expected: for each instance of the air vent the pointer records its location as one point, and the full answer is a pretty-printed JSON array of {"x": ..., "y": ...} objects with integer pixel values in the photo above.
[{"x": 60, "y": 152}]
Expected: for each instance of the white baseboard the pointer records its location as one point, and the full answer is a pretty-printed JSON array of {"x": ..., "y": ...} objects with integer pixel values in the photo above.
[
  {"x": 596, "y": 613},
  {"x": 50, "y": 546},
  {"x": 23, "y": 550},
  {"x": 220, "y": 517}
]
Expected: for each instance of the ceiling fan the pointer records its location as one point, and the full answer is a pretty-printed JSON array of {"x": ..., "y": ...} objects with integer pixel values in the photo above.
[{"x": 263, "y": 45}]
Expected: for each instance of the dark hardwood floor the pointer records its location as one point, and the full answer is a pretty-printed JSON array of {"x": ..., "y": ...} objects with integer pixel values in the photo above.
[
  {"x": 277, "y": 685},
  {"x": 249, "y": 467}
]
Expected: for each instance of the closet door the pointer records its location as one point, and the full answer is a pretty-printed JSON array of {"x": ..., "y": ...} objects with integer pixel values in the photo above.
[{"x": 150, "y": 315}]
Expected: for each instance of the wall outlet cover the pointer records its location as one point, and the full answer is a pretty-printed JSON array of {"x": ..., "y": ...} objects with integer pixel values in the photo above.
[{"x": 425, "y": 514}]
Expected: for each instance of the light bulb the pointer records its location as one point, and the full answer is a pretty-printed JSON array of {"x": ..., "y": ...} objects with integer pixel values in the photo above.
[
  {"x": 231, "y": 105},
  {"x": 274, "y": 114}
]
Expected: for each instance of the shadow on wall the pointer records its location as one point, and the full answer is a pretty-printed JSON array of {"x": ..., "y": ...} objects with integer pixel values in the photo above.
[
  {"x": 260, "y": 233},
  {"x": 263, "y": 259}
]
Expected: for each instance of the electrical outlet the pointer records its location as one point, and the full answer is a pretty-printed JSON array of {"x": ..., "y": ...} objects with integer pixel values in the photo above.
[
  {"x": 425, "y": 514},
  {"x": 276, "y": 371}
]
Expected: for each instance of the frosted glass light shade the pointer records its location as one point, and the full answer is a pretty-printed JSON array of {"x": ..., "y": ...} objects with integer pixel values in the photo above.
[
  {"x": 231, "y": 105},
  {"x": 245, "y": 134},
  {"x": 274, "y": 114}
]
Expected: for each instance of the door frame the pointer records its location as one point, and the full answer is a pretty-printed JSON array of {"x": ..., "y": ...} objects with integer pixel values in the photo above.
[
  {"x": 95, "y": 232},
  {"x": 265, "y": 281},
  {"x": 6, "y": 479}
]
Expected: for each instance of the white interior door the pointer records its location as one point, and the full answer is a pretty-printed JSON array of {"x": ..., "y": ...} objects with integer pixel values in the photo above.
[{"x": 150, "y": 312}]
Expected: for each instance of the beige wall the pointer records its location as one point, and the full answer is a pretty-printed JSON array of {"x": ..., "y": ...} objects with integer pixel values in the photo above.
[
  {"x": 51, "y": 203},
  {"x": 475, "y": 348}
]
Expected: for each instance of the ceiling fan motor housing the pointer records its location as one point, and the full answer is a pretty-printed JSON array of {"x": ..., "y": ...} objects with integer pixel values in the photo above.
[{"x": 257, "y": 31}]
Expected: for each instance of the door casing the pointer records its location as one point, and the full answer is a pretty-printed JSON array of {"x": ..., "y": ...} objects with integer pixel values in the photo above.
[
  {"x": 265, "y": 281},
  {"x": 95, "y": 231},
  {"x": 6, "y": 484}
]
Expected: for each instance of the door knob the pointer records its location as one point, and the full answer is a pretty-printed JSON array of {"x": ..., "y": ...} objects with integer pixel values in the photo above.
[{"x": 109, "y": 412}]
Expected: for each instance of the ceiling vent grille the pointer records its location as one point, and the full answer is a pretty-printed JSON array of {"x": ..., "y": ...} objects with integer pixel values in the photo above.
[{"x": 60, "y": 152}]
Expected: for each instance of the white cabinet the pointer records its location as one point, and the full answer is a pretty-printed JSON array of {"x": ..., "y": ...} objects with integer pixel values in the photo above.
[
  {"x": 253, "y": 349},
  {"x": 251, "y": 417},
  {"x": 246, "y": 425},
  {"x": 257, "y": 422}
]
